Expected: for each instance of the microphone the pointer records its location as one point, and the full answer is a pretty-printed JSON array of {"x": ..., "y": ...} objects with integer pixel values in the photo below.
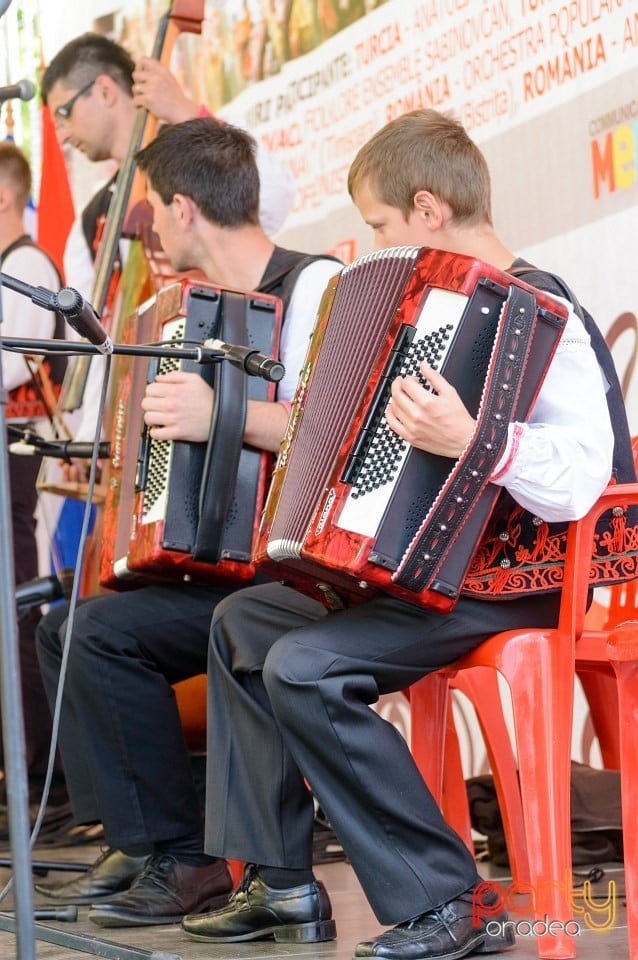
[
  {"x": 82, "y": 317},
  {"x": 61, "y": 449},
  {"x": 67, "y": 301},
  {"x": 41, "y": 590},
  {"x": 23, "y": 90},
  {"x": 252, "y": 362}
]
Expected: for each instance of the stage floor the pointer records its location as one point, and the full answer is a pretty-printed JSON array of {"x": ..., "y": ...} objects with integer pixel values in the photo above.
[{"x": 355, "y": 922}]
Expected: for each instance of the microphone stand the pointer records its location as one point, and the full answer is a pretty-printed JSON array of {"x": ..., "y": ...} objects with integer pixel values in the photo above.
[
  {"x": 12, "y": 710},
  {"x": 81, "y": 315},
  {"x": 22, "y": 924},
  {"x": 201, "y": 354}
]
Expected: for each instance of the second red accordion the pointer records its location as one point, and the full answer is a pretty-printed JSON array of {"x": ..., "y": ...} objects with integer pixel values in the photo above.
[{"x": 352, "y": 508}]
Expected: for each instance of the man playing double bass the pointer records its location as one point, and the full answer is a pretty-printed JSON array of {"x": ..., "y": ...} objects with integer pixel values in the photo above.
[{"x": 93, "y": 89}]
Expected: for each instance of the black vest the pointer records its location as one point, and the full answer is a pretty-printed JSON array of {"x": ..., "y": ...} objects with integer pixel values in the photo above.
[
  {"x": 282, "y": 271},
  {"x": 94, "y": 213}
]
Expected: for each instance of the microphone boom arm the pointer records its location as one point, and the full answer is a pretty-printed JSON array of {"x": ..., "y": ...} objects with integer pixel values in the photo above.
[{"x": 69, "y": 302}]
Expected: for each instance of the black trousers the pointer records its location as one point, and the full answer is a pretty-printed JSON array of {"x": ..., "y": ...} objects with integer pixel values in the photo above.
[
  {"x": 290, "y": 689},
  {"x": 23, "y": 472},
  {"x": 121, "y": 739}
]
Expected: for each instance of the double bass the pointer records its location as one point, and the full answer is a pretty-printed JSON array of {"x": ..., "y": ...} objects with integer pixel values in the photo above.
[
  {"x": 183, "y": 16},
  {"x": 117, "y": 291}
]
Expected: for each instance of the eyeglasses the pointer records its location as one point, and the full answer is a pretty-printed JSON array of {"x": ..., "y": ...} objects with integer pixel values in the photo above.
[{"x": 63, "y": 112}]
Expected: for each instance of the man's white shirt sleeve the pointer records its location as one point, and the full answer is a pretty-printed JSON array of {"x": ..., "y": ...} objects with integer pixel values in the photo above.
[
  {"x": 20, "y": 317},
  {"x": 300, "y": 320}
]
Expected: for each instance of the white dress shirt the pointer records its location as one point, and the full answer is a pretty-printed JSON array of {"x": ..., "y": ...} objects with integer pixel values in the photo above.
[{"x": 558, "y": 462}]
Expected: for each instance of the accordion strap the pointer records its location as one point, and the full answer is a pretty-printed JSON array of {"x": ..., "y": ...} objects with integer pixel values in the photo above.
[
  {"x": 226, "y": 437},
  {"x": 468, "y": 482}
]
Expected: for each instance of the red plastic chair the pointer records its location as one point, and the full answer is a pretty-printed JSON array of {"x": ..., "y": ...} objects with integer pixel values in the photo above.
[
  {"x": 191, "y": 703},
  {"x": 480, "y": 686},
  {"x": 539, "y": 667},
  {"x": 622, "y": 650},
  {"x": 600, "y": 686}
]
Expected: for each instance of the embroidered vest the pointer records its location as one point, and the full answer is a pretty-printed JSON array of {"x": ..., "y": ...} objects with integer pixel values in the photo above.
[
  {"x": 39, "y": 395},
  {"x": 520, "y": 553}
]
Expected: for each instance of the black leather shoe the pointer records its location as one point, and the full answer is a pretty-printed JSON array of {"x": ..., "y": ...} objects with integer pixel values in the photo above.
[
  {"x": 165, "y": 892},
  {"x": 55, "y": 818},
  {"x": 446, "y": 933},
  {"x": 298, "y": 914},
  {"x": 111, "y": 874}
]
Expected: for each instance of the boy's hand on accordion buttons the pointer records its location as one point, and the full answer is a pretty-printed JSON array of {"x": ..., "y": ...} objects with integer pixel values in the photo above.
[
  {"x": 178, "y": 406},
  {"x": 434, "y": 420}
]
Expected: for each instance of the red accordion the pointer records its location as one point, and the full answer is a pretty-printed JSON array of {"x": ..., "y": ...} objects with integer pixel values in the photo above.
[
  {"x": 352, "y": 508},
  {"x": 188, "y": 511}
]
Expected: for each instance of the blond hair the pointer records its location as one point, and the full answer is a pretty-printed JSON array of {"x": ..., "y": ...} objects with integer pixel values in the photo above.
[
  {"x": 15, "y": 169},
  {"x": 425, "y": 150}
]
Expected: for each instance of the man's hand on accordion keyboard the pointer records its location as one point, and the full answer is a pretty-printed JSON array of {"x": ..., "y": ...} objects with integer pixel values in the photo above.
[
  {"x": 178, "y": 406},
  {"x": 434, "y": 420}
]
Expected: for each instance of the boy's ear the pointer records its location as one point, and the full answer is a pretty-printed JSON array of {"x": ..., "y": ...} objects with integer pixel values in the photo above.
[
  {"x": 6, "y": 197},
  {"x": 428, "y": 208}
]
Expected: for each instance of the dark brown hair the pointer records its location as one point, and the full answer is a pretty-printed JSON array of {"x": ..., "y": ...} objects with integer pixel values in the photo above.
[{"x": 211, "y": 162}]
